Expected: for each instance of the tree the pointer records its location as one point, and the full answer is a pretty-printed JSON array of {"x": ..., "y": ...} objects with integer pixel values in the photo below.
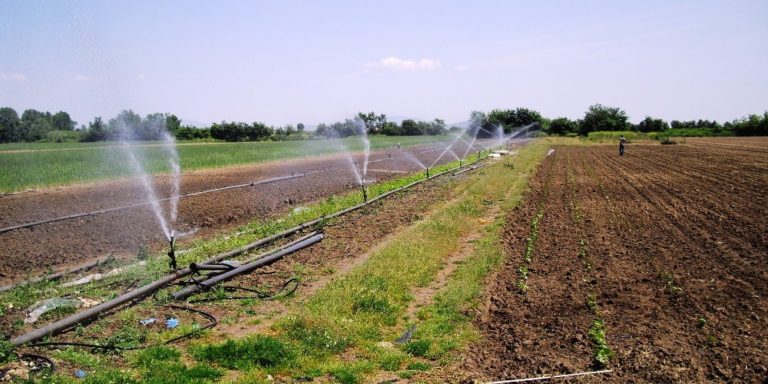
[
  {"x": 512, "y": 119},
  {"x": 300, "y": 128},
  {"x": 97, "y": 131},
  {"x": 436, "y": 127},
  {"x": 373, "y": 122},
  {"x": 172, "y": 123},
  {"x": 563, "y": 126},
  {"x": 754, "y": 125},
  {"x": 650, "y": 124},
  {"x": 479, "y": 125},
  {"x": 10, "y": 125},
  {"x": 127, "y": 125},
  {"x": 411, "y": 128},
  {"x": 35, "y": 124},
  {"x": 62, "y": 122},
  {"x": 602, "y": 118}
]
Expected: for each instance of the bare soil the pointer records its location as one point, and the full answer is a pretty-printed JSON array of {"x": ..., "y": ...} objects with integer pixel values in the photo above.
[{"x": 677, "y": 241}]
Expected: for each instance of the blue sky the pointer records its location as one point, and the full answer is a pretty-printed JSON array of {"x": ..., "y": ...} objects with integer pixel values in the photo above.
[{"x": 284, "y": 62}]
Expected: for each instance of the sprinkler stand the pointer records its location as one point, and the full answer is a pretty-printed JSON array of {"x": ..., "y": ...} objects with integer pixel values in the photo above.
[
  {"x": 365, "y": 192},
  {"x": 172, "y": 254},
  {"x": 427, "y": 173}
]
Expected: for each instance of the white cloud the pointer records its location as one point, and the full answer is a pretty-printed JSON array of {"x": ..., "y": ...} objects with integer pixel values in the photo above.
[
  {"x": 397, "y": 64},
  {"x": 82, "y": 78},
  {"x": 12, "y": 76},
  {"x": 141, "y": 76}
]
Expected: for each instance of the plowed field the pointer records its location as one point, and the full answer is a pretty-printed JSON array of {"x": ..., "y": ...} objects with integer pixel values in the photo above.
[{"x": 668, "y": 246}]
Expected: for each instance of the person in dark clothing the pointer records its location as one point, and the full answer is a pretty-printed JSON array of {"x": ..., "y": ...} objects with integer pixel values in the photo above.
[{"x": 622, "y": 142}]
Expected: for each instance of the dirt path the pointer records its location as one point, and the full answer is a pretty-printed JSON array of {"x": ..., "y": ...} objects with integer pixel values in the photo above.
[{"x": 678, "y": 253}]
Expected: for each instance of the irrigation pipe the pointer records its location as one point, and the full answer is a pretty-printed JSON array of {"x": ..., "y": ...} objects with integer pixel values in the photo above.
[
  {"x": 263, "y": 261},
  {"x": 468, "y": 169},
  {"x": 543, "y": 378},
  {"x": 81, "y": 317},
  {"x": 56, "y": 275},
  {"x": 107, "y": 210}
]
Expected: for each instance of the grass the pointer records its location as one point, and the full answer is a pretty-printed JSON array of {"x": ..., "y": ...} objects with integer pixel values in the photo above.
[{"x": 35, "y": 165}]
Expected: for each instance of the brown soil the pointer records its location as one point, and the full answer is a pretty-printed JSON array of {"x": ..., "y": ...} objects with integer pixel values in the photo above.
[
  {"x": 73, "y": 242},
  {"x": 676, "y": 241}
]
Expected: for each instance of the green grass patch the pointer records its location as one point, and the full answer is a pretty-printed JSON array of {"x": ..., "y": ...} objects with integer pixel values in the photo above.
[
  {"x": 254, "y": 351},
  {"x": 34, "y": 165}
]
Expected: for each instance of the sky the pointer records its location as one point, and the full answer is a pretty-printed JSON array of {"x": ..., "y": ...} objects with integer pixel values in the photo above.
[{"x": 285, "y": 62}]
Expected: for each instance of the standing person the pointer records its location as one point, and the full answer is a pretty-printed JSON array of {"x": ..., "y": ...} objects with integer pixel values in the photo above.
[{"x": 622, "y": 142}]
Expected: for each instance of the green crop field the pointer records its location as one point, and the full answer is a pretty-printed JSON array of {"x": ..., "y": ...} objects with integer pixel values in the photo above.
[{"x": 35, "y": 165}]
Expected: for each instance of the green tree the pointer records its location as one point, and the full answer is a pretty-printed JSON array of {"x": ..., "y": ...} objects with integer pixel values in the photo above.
[
  {"x": 512, "y": 119},
  {"x": 563, "y": 126},
  {"x": 172, "y": 123},
  {"x": 373, "y": 122},
  {"x": 300, "y": 128},
  {"x": 10, "y": 125},
  {"x": 62, "y": 122},
  {"x": 602, "y": 118},
  {"x": 35, "y": 124},
  {"x": 97, "y": 131},
  {"x": 649, "y": 124}
]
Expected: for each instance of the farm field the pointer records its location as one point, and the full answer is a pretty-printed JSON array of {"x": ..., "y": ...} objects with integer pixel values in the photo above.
[
  {"x": 652, "y": 264},
  {"x": 373, "y": 276},
  {"x": 36, "y": 165},
  {"x": 124, "y": 232}
]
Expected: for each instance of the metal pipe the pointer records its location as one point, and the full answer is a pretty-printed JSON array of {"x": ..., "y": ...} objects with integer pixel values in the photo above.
[{"x": 268, "y": 259}]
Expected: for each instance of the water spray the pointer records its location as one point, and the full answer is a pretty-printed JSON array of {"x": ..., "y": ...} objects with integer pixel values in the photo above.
[{"x": 172, "y": 253}]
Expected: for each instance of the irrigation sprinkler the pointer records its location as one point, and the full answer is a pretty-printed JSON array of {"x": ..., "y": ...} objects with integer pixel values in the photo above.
[
  {"x": 365, "y": 191},
  {"x": 172, "y": 253},
  {"x": 427, "y": 173}
]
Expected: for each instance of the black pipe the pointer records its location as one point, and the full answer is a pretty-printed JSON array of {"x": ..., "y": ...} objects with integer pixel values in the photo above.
[{"x": 258, "y": 263}]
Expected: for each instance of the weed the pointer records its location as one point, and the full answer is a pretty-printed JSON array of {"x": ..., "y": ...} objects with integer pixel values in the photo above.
[
  {"x": 256, "y": 351},
  {"x": 701, "y": 321},
  {"x": 156, "y": 354},
  {"x": 418, "y": 366},
  {"x": 417, "y": 348},
  {"x": 143, "y": 253},
  {"x": 522, "y": 286},
  {"x": 344, "y": 376},
  {"x": 391, "y": 361},
  {"x": 315, "y": 338},
  {"x": 6, "y": 351}
]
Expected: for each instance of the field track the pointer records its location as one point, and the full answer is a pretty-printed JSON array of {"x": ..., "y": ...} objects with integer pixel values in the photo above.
[{"x": 671, "y": 241}]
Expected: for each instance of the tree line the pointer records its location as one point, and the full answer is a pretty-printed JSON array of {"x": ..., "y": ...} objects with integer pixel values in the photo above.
[{"x": 35, "y": 125}]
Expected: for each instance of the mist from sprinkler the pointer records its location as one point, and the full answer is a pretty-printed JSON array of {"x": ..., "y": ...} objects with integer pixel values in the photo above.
[{"x": 128, "y": 132}]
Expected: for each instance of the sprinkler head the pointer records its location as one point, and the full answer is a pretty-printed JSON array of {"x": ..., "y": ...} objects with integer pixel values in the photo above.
[
  {"x": 365, "y": 192},
  {"x": 172, "y": 253}
]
